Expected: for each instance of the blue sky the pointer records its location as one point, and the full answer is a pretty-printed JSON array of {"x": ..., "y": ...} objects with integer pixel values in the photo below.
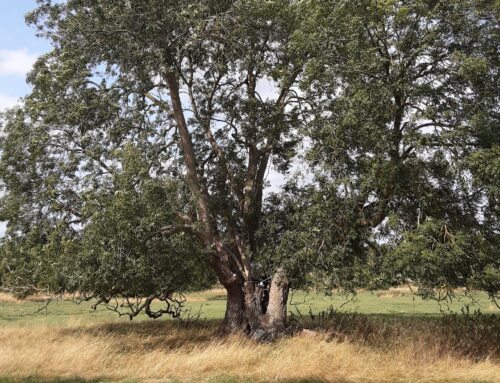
[{"x": 19, "y": 48}]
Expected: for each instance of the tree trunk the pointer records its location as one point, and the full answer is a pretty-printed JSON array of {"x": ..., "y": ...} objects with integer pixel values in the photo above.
[
  {"x": 235, "y": 317},
  {"x": 247, "y": 312}
]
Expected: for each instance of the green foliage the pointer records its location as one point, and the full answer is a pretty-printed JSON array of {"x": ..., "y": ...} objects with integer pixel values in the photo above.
[
  {"x": 126, "y": 249},
  {"x": 440, "y": 260},
  {"x": 66, "y": 234},
  {"x": 294, "y": 232},
  {"x": 405, "y": 132}
]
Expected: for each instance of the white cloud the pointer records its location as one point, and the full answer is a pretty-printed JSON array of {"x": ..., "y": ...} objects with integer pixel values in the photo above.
[
  {"x": 7, "y": 101},
  {"x": 16, "y": 62},
  {"x": 267, "y": 89}
]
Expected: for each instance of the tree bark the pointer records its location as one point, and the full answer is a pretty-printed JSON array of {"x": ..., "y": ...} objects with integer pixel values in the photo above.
[
  {"x": 196, "y": 188},
  {"x": 235, "y": 317}
]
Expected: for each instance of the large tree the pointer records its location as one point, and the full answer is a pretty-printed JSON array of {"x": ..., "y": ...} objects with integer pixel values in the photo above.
[
  {"x": 152, "y": 126},
  {"x": 200, "y": 91}
]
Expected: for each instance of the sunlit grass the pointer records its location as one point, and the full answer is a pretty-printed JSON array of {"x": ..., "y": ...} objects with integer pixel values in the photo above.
[{"x": 211, "y": 304}]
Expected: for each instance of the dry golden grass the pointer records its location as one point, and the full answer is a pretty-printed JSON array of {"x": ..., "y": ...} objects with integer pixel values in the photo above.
[
  {"x": 406, "y": 290},
  {"x": 203, "y": 296},
  {"x": 396, "y": 292},
  {"x": 200, "y": 296},
  {"x": 10, "y": 298},
  {"x": 155, "y": 351}
]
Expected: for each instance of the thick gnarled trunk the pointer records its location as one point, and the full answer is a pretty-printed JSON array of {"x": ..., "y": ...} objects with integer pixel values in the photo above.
[{"x": 260, "y": 316}]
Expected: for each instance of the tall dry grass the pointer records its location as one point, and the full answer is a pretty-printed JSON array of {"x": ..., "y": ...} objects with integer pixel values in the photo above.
[
  {"x": 474, "y": 336},
  {"x": 155, "y": 351}
]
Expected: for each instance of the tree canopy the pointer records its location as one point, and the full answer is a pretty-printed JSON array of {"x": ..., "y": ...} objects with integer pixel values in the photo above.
[{"x": 143, "y": 153}]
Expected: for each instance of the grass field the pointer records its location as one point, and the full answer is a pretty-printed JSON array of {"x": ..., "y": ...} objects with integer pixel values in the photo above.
[
  {"x": 382, "y": 336},
  {"x": 210, "y": 305}
]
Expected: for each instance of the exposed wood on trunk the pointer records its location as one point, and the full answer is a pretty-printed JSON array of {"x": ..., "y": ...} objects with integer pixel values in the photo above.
[{"x": 278, "y": 297}]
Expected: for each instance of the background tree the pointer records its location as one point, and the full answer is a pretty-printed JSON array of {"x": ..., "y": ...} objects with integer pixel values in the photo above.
[{"x": 407, "y": 104}]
